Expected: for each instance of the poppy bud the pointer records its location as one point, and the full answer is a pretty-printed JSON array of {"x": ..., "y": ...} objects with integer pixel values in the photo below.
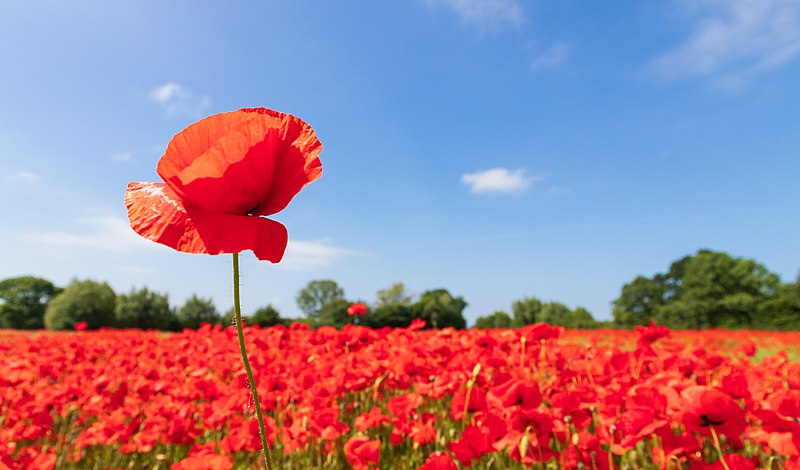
[
  {"x": 524, "y": 444},
  {"x": 476, "y": 370}
]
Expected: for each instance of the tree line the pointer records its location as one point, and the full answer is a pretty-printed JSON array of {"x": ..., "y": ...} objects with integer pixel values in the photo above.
[{"x": 706, "y": 290}]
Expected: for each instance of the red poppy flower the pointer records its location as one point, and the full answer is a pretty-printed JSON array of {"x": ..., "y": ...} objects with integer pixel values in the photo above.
[
  {"x": 221, "y": 175},
  {"x": 361, "y": 452},
  {"x": 438, "y": 462},
  {"x": 705, "y": 407},
  {"x": 357, "y": 308},
  {"x": 81, "y": 325}
]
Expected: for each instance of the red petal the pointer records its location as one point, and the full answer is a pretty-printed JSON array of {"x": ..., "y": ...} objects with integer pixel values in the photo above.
[
  {"x": 156, "y": 213},
  {"x": 247, "y": 160}
]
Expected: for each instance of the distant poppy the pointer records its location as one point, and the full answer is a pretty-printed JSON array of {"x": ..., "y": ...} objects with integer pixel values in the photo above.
[
  {"x": 81, "y": 326},
  {"x": 221, "y": 175},
  {"x": 357, "y": 308}
]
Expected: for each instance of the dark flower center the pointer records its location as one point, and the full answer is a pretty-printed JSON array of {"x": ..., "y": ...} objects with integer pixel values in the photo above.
[
  {"x": 250, "y": 212},
  {"x": 705, "y": 421}
]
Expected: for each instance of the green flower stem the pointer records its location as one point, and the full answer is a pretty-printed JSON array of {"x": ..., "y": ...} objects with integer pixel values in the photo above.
[{"x": 237, "y": 309}]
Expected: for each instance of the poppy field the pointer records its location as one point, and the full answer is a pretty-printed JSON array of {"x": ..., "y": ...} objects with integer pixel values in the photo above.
[{"x": 536, "y": 397}]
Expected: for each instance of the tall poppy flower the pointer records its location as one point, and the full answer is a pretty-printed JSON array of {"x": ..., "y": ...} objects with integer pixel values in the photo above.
[{"x": 222, "y": 176}]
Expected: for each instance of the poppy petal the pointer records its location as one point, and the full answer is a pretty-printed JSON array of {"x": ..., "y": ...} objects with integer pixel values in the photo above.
[
  {"x": 156, "y": 213},
  {"x": 246, "y": 161}
]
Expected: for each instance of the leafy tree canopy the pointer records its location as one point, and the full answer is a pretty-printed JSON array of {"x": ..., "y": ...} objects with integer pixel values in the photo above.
[
  {"x": 440, "y": 309},
  {"x": 23, "y": 301},
  {"x": 145, "y": 310},
  {"x": 82, "y": 301},
  {"x": 498, "y": 319},
  {"x": 393, "y": 295},
  {"x": 706, "y": 290},
  {"x": 197, "y": 311},
  {"x": 316, "y": 295}
]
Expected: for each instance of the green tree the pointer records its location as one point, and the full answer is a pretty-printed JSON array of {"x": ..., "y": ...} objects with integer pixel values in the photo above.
[
  {"x": 554, "y": 313},
  {"x": 526, "y": 311},
  {"x": 782, "y": 311},
  {"x": 707, "y": 290},
  {"x": 87, "y": 301},
  {"x": 23, "y": 301},
  {"x": 197, "y": 311},
  {"x": 334, "y": 313},
  {"x": 266, "y": 316},
  {"x": 498, "y": 319},
  {"x": 581, "y": 319},
  {"x": 145, "y": 310},
  {"x": 393, "y": 295},
  {"x": 392, "y": 315},
  {"x": 316, "y": 295},
  {"x": 440, "y": 309}
]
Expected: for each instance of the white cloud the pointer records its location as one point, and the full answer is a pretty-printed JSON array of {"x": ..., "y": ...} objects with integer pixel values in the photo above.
[
  {"x": 105, "y": 233},
  {"x": 23, "y": 177},
  {"x": 177, "y": 100},
  {"x": 499, "y": 180},
  {"x": 555, "y": 56},
  {"x": 484, "y": 13},
  {"x": 166, "y": 92},
  {"x": 736, "y": 40},
  {"x": 309, "y": 255},
  {"x": 122, "y": 157}
]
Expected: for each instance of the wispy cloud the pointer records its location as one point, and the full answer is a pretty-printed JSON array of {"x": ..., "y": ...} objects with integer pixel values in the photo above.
[
  {"x": 121, "y": 157},
  {"x": 499, "y": 180},
  {"x": 310, "y": 255},
  {"x": 23, "y": 177},
  {"x": 177, "y": 100},
  {"x": 554, "y": 57},
  {"x": 736, "y": 40},
  {"x": 484, "y": 13},
  {"x": 99, "y": 233}
]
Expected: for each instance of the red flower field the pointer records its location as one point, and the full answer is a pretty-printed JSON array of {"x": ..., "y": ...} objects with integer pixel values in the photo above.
[{"x": 536, "y": 397}]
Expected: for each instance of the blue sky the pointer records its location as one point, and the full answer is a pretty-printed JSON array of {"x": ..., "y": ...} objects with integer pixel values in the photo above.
[{"x": 497, "y": 148}]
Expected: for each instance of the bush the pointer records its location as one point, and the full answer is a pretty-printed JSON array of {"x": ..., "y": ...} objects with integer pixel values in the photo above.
[
  {"x": 498, "y": 319},
  {"x": 82, "y": 301},
  {"x": 395, "y": 315},
  {"x": 146, "y": 310},
  {"x": 266, "y": 316},
  {"x": 197, "y": 311}
]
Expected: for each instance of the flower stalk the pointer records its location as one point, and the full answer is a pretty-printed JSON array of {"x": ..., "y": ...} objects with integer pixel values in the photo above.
[{"x": 237, "y": 311}]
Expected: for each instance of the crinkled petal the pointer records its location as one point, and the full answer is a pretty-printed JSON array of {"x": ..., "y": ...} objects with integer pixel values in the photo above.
[
  {"x": 246, "y": 161},
  {"x": 156, "y": 213}
]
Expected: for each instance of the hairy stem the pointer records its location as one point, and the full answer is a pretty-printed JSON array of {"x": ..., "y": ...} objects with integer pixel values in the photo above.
[{"x": 237, "y": 310}]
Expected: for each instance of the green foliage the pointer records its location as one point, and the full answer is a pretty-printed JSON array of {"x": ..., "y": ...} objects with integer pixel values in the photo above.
[
  {"x": 87, "y": 301},
  {"x": 23, "y": 301},
  {"x": 393, "y": 315},
  {"x": 334, "y": 313},
  {"x": 266, "y": 316},
  {"x": 707, "y": 290},
  {"x": 440, "y": 309},
  {"x": 145, "y": 310},
  {"x": 393, "y": 295},
  {"x": 581, "y": 319},
  {"x": 316, "y": 295},
  {"x": 526, "y": 311},
  {"x": 196, "y": 311},
  {"x": 554, "y": 313},
  {"x": 498, "y": 319},
  {"x": 781, "y": 311}
]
